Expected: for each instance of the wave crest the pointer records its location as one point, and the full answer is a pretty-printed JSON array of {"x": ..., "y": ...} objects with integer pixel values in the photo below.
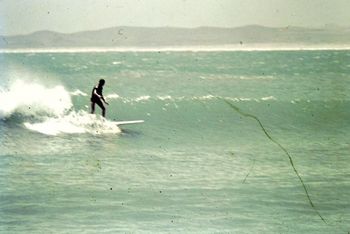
[{"x": 33, "y": 99}]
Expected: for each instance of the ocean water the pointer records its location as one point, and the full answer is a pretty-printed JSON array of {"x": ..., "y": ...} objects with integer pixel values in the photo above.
[{"x": 233, "y": 142}]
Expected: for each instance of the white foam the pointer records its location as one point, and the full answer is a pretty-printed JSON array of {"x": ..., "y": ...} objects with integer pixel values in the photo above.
[
  {"x": 74, "y": 123},
  {"x": 206, "y": 97},
  {"x": 78, "y": 92},
  {"x": 268, "y": 98},
  {"x": 245, "y": 99},
  {"x": 142, "y": 98},
  {"x": 32, "y": 98},
  {"x": 112, "y": 96},
  {"x": 54, "y": 127},
  {"x": 200, "y": 98},
  {"x": 168, "y": 97}
]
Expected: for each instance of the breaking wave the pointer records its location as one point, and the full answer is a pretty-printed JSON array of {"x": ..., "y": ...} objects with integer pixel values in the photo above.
[
  {"x": 49, "y": 110},
  {"x": 33, "y": 99}
]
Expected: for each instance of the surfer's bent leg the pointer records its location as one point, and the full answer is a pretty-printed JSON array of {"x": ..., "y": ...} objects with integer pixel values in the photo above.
[
  {"x": 100, "y": 104},
  {"x": 92, "y": 107}
]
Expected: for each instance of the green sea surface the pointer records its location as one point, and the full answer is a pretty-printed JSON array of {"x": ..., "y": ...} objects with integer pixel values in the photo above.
[{"x": 233, "y": 142}]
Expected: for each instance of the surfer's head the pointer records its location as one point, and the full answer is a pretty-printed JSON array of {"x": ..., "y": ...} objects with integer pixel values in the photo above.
[{"x": 101, "y": 82}]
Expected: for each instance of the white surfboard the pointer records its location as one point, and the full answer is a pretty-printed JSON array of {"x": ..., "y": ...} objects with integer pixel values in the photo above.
[{"x": 128, "y": 122}]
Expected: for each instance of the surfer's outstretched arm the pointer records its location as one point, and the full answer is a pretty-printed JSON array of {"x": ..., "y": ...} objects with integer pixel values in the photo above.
[{"x": 103, "y": 99}]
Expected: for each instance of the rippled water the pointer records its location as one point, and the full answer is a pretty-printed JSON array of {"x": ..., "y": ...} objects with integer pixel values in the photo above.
[{"x": 209, "y": 158}]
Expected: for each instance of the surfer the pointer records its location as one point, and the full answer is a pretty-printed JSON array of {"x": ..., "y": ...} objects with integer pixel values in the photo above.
[{"x": 97, "y": 97}]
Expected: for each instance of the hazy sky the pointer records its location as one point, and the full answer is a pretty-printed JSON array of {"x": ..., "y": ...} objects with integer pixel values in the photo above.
[{"x": 25, "y": 16}]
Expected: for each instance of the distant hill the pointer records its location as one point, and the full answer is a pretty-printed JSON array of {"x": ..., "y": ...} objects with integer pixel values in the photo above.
[{"x": 119, "y": 37}]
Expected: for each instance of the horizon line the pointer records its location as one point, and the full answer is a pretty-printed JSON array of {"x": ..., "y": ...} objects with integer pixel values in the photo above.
[{"x": 175, "y": 49}]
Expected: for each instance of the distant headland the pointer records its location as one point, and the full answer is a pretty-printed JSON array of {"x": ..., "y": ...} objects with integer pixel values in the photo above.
[{"x": 253, "y": 37}]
